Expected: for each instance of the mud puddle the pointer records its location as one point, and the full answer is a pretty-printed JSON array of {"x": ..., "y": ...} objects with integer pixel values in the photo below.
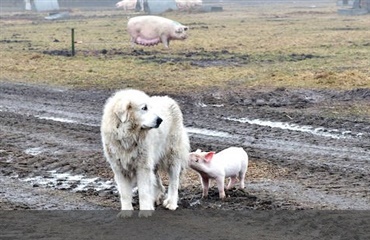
[
  {"x": 16, "y": 194},
  {"x": 50, "y": 139}
]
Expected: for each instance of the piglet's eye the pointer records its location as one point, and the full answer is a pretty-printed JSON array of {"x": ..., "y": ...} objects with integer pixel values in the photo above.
[
  {"x": 144, "y": 108},
  {"x": 197, "y": 160}
]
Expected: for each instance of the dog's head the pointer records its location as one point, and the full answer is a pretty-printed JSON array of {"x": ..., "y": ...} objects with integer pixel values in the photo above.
[{"x": 134, "y": 108}]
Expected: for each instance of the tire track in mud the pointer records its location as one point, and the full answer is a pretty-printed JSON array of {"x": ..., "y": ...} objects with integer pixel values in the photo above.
[{"x": 45, "y": 129}]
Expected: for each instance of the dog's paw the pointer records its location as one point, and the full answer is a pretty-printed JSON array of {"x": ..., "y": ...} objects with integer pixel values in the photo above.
[
  {"x": 125, "y": 213},
  {"x": 169, "y": 204},
  {"x": 146, "y": 213}
]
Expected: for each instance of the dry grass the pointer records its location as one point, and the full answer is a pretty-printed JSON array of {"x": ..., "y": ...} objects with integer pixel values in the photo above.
[
  {"x": 289, "y": 47},
  {"x": 359, "y": 110}
]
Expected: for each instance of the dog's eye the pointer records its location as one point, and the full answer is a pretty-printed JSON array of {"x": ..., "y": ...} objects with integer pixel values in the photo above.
[{"x": 144, "y": 108}]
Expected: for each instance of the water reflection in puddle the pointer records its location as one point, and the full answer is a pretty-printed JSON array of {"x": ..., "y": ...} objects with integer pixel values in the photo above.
[{"x": 324, "y": 132}]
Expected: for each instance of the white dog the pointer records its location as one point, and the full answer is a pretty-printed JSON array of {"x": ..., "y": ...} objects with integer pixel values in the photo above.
[{"x": 141, "y": 134}]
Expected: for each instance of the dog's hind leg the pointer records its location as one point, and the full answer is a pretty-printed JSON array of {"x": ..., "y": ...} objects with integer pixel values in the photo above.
[{"x": 159, "y": 189}]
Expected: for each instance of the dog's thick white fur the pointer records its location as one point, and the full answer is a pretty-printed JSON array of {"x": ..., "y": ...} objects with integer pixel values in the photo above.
[{"x": 141, "y": 134}]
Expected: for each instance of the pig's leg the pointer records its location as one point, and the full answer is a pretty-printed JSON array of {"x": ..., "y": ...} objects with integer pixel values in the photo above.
[
  {"x": 221, "y": 185},
  {"x": 133, "y": 42},
  {"x": 173, "y": 188},
  {"x": 141, "y": 3},
  {"x": 232, "y": 182},
  {"x": 242, "y": 179},
  {"x": 165, "y": 41},
  {"x": 205, "y": 184}
]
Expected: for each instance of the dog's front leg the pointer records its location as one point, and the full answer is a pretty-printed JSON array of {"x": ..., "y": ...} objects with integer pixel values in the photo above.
[
  {"x": 146, "y": 182},
  {"x": 124, "y": 187},
  {"x": 173, "y": 188}
]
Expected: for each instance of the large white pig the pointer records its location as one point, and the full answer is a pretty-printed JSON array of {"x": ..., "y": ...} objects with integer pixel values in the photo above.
[
  {"x": 151, "y": 30},
  {"x": 229, "y": 163},
  {"x": 187, "y": 5},
  {"x": 130, "y": 5}
]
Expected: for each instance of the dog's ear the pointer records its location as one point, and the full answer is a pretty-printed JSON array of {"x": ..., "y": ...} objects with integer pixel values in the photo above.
[{"x": 122, "y": 110}]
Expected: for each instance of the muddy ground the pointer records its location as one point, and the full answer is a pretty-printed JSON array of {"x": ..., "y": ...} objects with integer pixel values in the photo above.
[{"x": 302, "y": 155}]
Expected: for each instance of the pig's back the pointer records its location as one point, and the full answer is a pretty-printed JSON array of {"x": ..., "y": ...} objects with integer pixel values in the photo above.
[
  {"x": 148, "y": 21},
  {"x": 148, "y": 26},
  {"x": 233, "y": 159}
]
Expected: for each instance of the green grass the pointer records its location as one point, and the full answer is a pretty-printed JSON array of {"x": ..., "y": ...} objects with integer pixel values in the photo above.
[{"x": 287, "y": 47}]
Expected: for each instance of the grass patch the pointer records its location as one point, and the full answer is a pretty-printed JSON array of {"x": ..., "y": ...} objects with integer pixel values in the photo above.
[
  {"x": 359, "y": 110},
  {"x": 239, "y": 48}
]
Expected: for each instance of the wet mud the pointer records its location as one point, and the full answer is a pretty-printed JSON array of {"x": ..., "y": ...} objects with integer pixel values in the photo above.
[
  {"x": 301, "y": 156},
  {"x": 199, "y": 57}
]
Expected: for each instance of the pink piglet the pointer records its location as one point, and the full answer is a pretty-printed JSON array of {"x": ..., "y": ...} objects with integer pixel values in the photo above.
[{"x": 229, "y": 163}]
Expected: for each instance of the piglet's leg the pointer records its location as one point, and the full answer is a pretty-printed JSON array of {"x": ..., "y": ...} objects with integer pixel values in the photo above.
[
  {"x": 221, "y": 185},
  {"x": 232, "y": 182},
  {"x": 242, "y": 179},
  {"x": 205, "y": 184}
]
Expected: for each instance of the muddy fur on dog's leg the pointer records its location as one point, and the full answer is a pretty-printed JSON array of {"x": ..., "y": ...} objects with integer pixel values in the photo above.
[{"x": 159, "y": 190}]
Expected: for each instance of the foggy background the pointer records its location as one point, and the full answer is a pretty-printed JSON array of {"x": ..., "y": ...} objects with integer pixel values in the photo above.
[{"x": 19, "y": 5}]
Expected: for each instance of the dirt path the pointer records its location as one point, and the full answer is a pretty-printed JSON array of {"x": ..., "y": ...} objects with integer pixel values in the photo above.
[{"x": 300, "y": 156}]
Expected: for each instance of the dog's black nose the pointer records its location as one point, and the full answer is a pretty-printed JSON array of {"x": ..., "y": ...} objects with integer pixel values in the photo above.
[{"x": 159, "y": 121}]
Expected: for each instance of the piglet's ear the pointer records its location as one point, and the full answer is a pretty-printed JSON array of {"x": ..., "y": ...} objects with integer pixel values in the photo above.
[
  {"x": 208, "y": 157},
  {"x": 198, "y": 151}
]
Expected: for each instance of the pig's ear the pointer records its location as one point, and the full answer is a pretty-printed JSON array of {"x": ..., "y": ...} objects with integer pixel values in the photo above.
[{"x": 208, "y": 157}]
